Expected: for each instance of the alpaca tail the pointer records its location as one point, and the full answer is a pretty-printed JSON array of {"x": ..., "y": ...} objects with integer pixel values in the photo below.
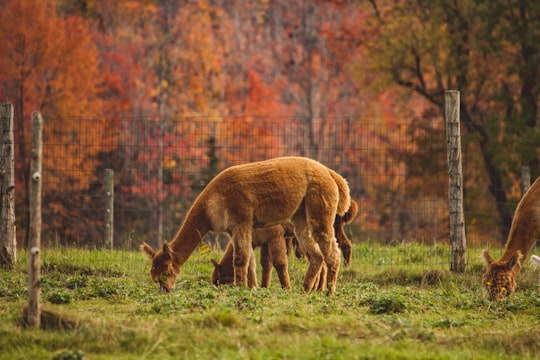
[
  {"x": 351, "y": 213},
  {"x": 344, "y": 193}
]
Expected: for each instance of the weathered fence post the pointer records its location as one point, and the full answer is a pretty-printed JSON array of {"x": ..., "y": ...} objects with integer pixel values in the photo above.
[
  {"x": 109, "y": 209},
  {"x": 455, "y": 181},
  {"x": 8, "y": 240},
  {"x": 34, "y": 261},
  {"x": 525, "y": 179}
]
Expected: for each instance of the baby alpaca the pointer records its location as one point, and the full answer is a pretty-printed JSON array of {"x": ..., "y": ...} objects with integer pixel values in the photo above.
[{"x": 274, "y": 253}]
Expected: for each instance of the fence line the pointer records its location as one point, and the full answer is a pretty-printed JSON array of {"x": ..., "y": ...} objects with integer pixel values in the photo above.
[
  {"x": 373, "y": 157},
  {"x": 401, "y": 201}
]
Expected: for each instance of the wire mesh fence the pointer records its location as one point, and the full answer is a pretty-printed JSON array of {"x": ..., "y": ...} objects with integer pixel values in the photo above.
[{"x": 397, "y": 176}]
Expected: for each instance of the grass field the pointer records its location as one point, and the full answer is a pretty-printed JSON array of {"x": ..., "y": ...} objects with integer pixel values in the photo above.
[{"x": 394, "y": 302}]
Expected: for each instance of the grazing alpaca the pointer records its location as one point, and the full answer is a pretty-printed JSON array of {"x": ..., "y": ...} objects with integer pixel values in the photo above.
[
  {"x": 274, "y": 252},
  {"x": 500, "y": 276},
  {"x": 261, "y": 194}
]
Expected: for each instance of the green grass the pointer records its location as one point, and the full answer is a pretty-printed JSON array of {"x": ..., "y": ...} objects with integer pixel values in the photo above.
[{"x": 394, "y": 302}]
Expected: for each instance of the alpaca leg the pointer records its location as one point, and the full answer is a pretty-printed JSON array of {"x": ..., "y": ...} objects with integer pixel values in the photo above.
[
  {"x": 252, "y": 271},
  {"x": 322, "y": 278},
  {"x": 343, "y": 241},
  {"x": 317, "y": 277},
  {"x": 266, "y": 264},
  {"x": 283, "y": 274},
  {"x": 346, "y": 249},
  {"x": 297, "y": 249},
  {"x": 330, "y": 250},
  {"x": 312, "y": 278},
  {"x": 243, "y": 249},
  {"x": 317, "y": 282},
  {"x": 312, "y": 252},
  {"x": 320, "y": 209},
  {"x": 278, "y": 254}
]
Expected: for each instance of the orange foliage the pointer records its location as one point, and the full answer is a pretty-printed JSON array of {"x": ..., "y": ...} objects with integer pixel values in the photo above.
[
  {"x": 52, "y": 60},
  {"x": 263, "y": 79},
  {"x": 49, "y": 63}
]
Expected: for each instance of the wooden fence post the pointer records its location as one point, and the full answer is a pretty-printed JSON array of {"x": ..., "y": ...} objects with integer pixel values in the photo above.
[
  {"x": 8, "y": 240},
  {"x": 455, "y": 181},
  {"x": 525, "y": 179},
  {"x": 34, "y": 262},
  {"x": 109, "y": 209}
]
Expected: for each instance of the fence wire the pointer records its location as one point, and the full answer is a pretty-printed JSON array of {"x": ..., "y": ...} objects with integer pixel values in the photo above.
[{"x": 397, "y": 176}]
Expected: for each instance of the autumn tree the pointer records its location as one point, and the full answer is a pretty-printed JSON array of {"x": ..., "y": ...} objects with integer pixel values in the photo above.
[
  {"x": 199, "y": 181},
  {"x": 305, "y": 62},
  {"x": 49, "y": 64},
  {"x": 513, "y": 34},
  {"x": 182, "y": 83},
  {"x": 429, "y": 48}
]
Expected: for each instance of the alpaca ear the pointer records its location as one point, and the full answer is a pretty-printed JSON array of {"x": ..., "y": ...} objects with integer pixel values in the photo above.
[
  {"x": 215, "y": 263},
  {"x": 486, "y": 257},
  {"x": 167, "y": 251},
  {"x": 147, "y": 250},
  {"x": 515, "y": 260}
]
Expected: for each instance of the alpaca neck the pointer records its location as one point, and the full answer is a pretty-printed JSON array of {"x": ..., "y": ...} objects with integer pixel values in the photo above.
[
  {"x": 522, "y": 237},
  {"x": 226, "y": 261},
  {"x": 525, "y": 227},
  {"x": 189, "y": 236}
]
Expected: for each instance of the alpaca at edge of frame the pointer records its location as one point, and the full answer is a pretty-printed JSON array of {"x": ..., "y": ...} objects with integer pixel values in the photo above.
[
  {"x": 499, "y": 279},
  {"x": 287, "y": 189}
]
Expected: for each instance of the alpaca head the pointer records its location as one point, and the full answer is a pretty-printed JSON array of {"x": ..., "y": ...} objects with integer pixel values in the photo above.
[
  {"x": 500, "y": 277},
  {"x": 220, "y": 277},
  {"x": 164, "y": 266}
]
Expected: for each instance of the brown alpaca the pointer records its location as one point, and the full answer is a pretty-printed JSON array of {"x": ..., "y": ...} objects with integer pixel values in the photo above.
[
  {"x": 500, "y": 276},
  {"x": 274, "y": 252},
  {"x": 256, "y": 195}
]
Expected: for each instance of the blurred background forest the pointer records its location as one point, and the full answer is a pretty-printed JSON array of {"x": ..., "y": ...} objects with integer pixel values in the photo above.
[{"x": 169, "y": 92}]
